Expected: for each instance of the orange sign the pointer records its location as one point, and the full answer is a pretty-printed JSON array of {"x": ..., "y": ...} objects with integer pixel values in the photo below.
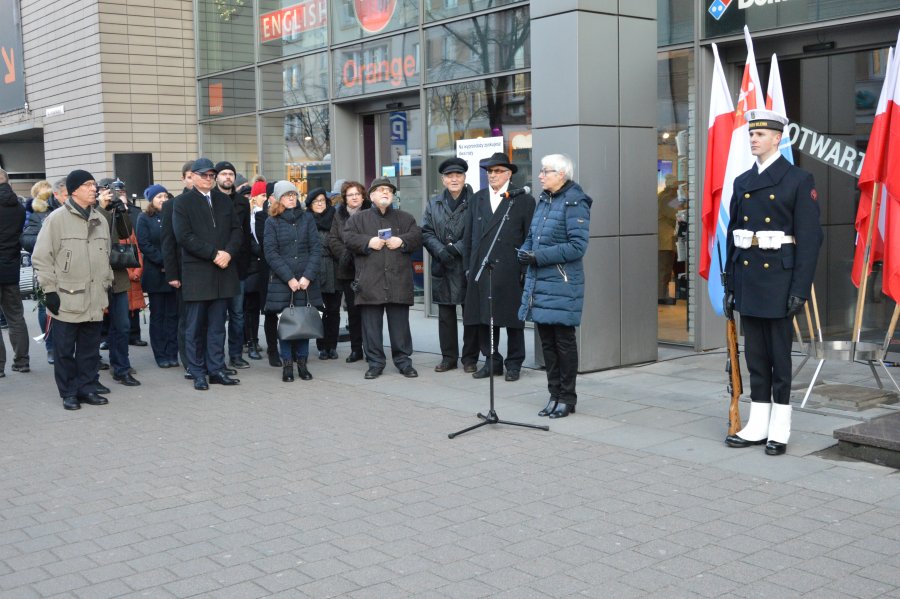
[
  {"x": 382, "y": 71},
  {"x": 216, "y": 99},
  {"x": 281, "y": 24},
  {"x": 10, "y": 61},
  {"x": 374, "y": 15}
]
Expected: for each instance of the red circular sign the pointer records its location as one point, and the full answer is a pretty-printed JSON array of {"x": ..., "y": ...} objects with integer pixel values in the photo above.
[{"x": 374, "y": 15}]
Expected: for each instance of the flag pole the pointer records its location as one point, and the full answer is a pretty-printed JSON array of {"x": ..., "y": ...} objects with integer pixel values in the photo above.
[
  {"x": 816, "y": 314},
  {"x": 864, "y": 275},
  {"x": 890, "y": 332}
]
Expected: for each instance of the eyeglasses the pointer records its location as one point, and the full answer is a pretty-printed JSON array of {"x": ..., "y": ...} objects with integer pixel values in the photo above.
[
  {"x": 206, "y": 175},
  {"x": 497, "y": 171},
  {"x": 547, "y": 171},
  {"x": 319, "y": 201},
  {"x": 290, "y": 196},
  {"x": 90, "y": 184},
  {"x": 384, "y": 189},
  {"x": 355, "y": 194}
]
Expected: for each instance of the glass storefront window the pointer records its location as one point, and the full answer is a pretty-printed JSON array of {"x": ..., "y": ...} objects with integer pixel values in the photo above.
[
  {"x": 356, "y": 19},
  {"x": 381, "y": 65},
  {"x": 300, "y": 81},
  {"x": 723, "y": 18},
  {"x": 233, "y": 140},
  {"x": 225, "y": 31},
  {"x": 676, "y": 200},
  {"x": 489, "y": 108},
  {"x": 435, "y": 10},
  {"x": 289, "y": 27},
  {"x": 229, "y": 94},
  {"x": 675, "y": 21},
  {"x": 296, "y": 146},
  {"x": 478, "y": 46}
]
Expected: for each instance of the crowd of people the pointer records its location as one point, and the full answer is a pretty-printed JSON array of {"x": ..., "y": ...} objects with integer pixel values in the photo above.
[{"x": 225, "y": 251}]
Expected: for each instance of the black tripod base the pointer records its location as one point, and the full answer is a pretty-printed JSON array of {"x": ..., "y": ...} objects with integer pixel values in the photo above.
[{"x": 492, "y": 418}]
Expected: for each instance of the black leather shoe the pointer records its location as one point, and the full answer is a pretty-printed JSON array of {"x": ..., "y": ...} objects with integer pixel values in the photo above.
[
  {"x": 562, "y": 410},
  {"x": 71, "y": 403},
  {"x": 445, "y": 365},
  {"x": 275, "y": 360},
  {"x": 200, "y": 384},
  {"x": 92, "y": 399},
  {"x": 229, "y": 371},
  {"x": 127, "y": 380},
  {"x": 323, "y": 355},
  {"x": 332, "y": 354},
  {"x": 103, "y": 365},
  {"x": 775, "y": 448},
  {"x": 253, "y": 351},
  {"x": 138, "y": 343},
  {"x": 735, "y": 441},
  {"x": 287, "y": 373},
  {"x": 354, "y": 356},
  {"x": 485, "y": 372},
  {"x": 188, "y": 375},
  {"x": 303, "y": 371},
  {"x": 104, "y": 345},
  {"x": 548, "y": 409},
  {"x": 470, "y": 368},
  {"x": 222, "y": 378},
  {"x": 101, "y": 389},
  {"x": 239, "y": 362},
  {"x": 409, "y": 372},
  {"x": 374, "y": 373},
  {"x": 21, "y": 368},
  {"x": 512, "y": 375}
]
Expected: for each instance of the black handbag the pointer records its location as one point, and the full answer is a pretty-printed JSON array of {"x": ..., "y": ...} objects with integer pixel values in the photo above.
[
  {"x": 300, "y": 322},
  {"x": 121, "y": 255}
]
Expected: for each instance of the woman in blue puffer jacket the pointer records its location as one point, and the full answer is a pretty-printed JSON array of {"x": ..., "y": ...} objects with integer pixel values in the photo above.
[{"x": 554, "y": 284}]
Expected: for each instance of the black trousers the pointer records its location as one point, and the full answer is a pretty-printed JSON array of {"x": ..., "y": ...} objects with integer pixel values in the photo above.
[
  {"x": 398, "y": 330},
  {"x": 767, "y": 350},
  {"x": 252, "y": 309},
  {"x": 561, "y": 360},
  {"x": 449, "y": 337},
  {"x": 331, "y": 321},
  {"x": 270, "y": 327},
  {"x": 76, "y": 357},
  {"x": 205, "y": 336},
  {"x": 515, "y": 346},
  {"x": 354, "y": 321}
]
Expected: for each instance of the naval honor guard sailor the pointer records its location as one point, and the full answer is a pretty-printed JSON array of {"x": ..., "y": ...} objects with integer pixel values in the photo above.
[{"x": 774, "y": 237}]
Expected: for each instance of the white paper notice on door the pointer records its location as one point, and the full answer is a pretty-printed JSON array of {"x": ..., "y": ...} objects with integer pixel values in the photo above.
[
  {"x": 405, "y": 162},
  {"x": 473, "y": 151}
]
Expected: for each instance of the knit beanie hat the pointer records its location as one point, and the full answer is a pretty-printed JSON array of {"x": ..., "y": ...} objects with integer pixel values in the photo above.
[
  {"x": 259, "y": 188},
  {"x": 283, "y": 187},
  {"x": 313, "y": 194},
  {"x": 153, "y": 191},
  {"x": 76, "y": 179}
]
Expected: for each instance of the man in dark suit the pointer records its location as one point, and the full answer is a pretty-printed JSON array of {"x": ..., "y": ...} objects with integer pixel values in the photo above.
[
  {"x": 774, "y": 237},
  {"x": 208, "y": 232},
  {"x": 485, "y": 216}
]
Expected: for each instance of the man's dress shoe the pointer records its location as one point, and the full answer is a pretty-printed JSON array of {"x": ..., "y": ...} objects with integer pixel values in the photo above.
[
  {"x": 374, "y": 373},
  {"x": 200, "y": 384},
  {"x": 735, "y": 441},
  {"x": 71, "y": 403},
  {"x": 222, "y": 378},
  {"x": 562, "y": 410},
  {"x": 775, "y": 448},
  {"x": 92, "y": 399},
  {"x": 548, "y": 409}
]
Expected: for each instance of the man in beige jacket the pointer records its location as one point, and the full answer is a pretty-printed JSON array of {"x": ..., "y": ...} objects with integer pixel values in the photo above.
[{"x": 71, "y": 260}]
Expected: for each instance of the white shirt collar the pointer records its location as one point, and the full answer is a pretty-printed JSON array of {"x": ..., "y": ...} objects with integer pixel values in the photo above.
[{"x": 761, "y": 167}]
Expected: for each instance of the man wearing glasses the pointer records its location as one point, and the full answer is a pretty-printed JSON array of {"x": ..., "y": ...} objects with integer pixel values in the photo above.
[
  {"x": 486, "y": 215},
  {"x": 208, "y": 233},
  {"x": 71, "y": 259}
]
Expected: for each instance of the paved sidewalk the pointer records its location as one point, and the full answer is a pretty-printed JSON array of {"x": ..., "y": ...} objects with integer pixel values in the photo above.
[{"x": 346, "y": 487}]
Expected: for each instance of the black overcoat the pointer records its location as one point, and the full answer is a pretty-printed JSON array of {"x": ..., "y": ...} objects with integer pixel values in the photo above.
[
  {"x": 782, "y": 198},
  {"x": 201, "y": 231},
  {"x": 442, "y": 226},
  {"x": 385, "y": 276},
  {"x": 508, "y": 273},
  {"x": 149, "y": 230},
  {"x": 293, "y": 251},
  {"x": 12, "y": 219},
  {"x": 168, "y": 244}
]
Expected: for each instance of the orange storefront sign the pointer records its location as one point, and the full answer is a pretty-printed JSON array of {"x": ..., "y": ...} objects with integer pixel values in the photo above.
[
  {"x": 216, "y": 99},
  {"x": 383, "y": 71},
  {"x": 291, "y": 20}
]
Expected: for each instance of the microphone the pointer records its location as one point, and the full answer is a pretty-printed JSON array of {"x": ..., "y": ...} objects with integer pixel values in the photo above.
[{"x": 515, "y": 192}]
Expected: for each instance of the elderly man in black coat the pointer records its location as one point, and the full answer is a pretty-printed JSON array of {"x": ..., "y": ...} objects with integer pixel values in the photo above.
[
  {"x": 208, "y": 232},
  {"x": 444, "y": 231},
  {"x": 485, "y": 216},
  {"x": 12, "y": 219},
  {"x": 383, "y": 240}
]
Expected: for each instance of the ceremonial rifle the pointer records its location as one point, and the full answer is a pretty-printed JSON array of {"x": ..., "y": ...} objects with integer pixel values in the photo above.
[{"x": 732, "y": 363}]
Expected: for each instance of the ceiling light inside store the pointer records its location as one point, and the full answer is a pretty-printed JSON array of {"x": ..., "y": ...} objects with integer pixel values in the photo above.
[{"x": 665, "y": 135}]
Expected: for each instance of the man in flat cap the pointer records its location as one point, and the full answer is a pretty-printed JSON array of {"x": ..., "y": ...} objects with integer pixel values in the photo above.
[
  {"x": 71, "y": 259},
  {"x": 208, "y": 233},
  {"x": 383, "y": 239},
  {"x": 444, "y": 228},
  {"x": 485, "y": 217},
  {"x": 774, "y": 237}
]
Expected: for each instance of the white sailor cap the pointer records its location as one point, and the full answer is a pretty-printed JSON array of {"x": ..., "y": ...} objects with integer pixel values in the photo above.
[{"x": 759, "y": 118}]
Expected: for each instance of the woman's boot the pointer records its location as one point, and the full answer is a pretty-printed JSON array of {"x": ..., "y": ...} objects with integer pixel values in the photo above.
[
  {"x": 287, "y": 373},
  {"x": 302, "y": 372}
]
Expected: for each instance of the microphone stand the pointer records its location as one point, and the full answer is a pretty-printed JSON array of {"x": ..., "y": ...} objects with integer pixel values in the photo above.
[{"x": 487, "y": 263}]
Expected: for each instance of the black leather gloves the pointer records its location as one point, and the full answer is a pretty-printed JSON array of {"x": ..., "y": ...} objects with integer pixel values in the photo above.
[
  {"x": 794, "y": 305},
  {"x": 728, "y": 305},
  {"x": 118, "y": 205},
  {"x": 452, "y": 250},
  {"x": 526, "y": 257},
  {"x": 51, "y": 300}
]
